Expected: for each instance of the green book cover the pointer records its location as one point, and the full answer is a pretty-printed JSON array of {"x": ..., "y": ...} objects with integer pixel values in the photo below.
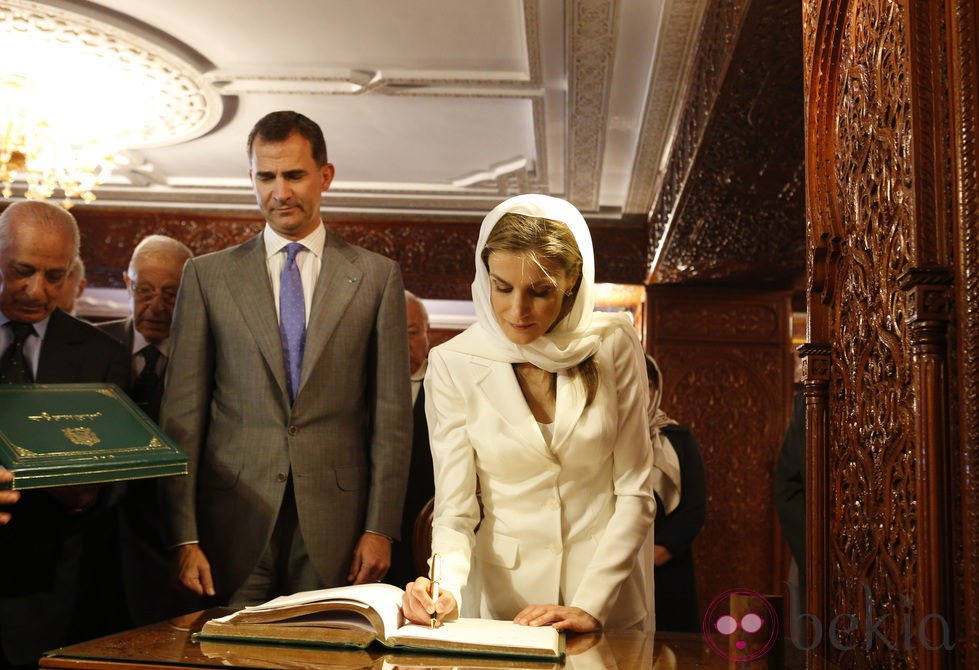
[{"x": 63, "y": 434}]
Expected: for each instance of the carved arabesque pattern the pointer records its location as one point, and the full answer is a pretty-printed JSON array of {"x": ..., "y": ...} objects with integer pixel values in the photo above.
[
  {"x": 739, "y": 204},
  {"x": 727, "y": 394},
  {"x": 713, "y": 53},
  {"x": 871, "y": 458},
  {"x": 810, "y": 19},
  {"x": 734, "y": 322},
  {"x": 965, "y": 441},
  {"x": 436, "y": 257}
]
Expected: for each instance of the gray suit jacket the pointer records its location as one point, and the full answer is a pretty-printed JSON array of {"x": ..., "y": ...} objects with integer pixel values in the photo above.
[{"x": 346, "y": 438}]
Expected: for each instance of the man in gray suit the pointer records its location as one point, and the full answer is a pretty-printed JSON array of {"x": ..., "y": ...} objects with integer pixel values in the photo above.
[{"x": 289, "y": 390}]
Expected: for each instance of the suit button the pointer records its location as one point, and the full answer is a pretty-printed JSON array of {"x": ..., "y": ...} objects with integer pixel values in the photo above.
[
  {"x": 553, "y": 504},
  {"x": 281, "y": 476},
  {"x": 293, "y": 430},
  {"x": 554, "y": 547}
]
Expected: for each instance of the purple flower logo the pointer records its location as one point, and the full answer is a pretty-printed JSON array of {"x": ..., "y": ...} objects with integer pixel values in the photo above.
[{"x": 740, "y": 625}]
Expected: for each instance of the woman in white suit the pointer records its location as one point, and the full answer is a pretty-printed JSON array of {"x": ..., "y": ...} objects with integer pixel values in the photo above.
[{"x": 541, "y": 407}]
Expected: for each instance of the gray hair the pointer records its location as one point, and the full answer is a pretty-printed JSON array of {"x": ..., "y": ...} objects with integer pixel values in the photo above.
[
  {"x": 411, "y": 297},
  {"x": 41, "y": 213},
  {"x": 159, "y": 245}
]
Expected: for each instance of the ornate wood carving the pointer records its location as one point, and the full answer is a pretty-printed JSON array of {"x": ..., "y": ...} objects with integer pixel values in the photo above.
[
  {"x": 882, "y": 219},
  {"x": 436, "y": 255},
  {"x": 731, "y": 204},
  {"x": 726, "y": 374},
  {"x": 871, "y": 424},
  {"x": 962, "y": 33}
]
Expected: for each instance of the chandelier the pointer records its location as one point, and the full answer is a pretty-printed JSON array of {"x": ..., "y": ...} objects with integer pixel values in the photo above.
[{"x": 75, "y": 92}]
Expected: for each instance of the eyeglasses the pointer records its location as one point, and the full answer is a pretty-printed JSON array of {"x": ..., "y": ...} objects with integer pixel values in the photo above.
[{"x": 147, "y": 293}]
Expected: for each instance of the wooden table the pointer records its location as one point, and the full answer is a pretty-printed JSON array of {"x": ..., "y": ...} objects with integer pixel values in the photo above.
[{"x": 168, "y": 645}]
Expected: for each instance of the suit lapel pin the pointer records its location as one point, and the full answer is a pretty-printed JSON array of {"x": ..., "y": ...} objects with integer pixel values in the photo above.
[{"x": 352, "y": 280}]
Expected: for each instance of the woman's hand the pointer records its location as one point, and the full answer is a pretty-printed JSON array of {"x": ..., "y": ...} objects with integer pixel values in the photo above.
[
  {"x": 573, "y": 619},
  {"x": 418, "y": 607}
]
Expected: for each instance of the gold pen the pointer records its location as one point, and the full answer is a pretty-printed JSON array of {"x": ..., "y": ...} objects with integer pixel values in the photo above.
[{"x": 434, "y": 576}]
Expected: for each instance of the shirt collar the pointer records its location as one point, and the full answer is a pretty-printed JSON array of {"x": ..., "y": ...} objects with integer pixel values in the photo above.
[
  {"x": 274, "y": 242},
  {"x": 40, "y": 327},
  {"x": 419, "y": 374},
  {"x": 140, "y": 343}
]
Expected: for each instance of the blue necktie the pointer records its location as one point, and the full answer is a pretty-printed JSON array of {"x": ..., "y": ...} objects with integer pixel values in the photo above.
[{"x": 292, "y": 317}]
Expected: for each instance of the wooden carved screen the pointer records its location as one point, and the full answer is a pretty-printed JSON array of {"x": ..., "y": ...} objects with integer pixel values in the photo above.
[
  {"x": 890, "y": 367},
  {"x": 727, "y": 373}
]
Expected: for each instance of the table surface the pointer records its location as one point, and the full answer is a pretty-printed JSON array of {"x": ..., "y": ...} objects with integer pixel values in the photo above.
[{"x": 168, "y": 644}]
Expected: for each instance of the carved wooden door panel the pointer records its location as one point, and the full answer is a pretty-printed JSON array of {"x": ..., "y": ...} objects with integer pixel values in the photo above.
[{"x": 890, "y": 369}]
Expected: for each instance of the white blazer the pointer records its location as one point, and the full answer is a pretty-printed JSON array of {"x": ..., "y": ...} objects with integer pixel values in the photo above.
[{"x": 562, "y": 523}]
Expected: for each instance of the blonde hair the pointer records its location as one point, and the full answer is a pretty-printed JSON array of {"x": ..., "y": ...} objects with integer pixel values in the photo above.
[{"x": 541, "y": 238}]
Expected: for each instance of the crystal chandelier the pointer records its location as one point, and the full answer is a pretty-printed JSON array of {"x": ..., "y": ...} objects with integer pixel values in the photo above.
[{"x": 74, "y": 92}]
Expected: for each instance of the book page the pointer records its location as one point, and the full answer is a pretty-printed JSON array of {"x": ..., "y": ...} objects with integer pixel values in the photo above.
[
  {"x": 385, "y": 599},
  {"x": 481, "y": 635}
]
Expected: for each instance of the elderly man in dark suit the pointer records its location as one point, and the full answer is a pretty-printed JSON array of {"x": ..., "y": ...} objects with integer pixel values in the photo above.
[
  {"x": 421, "y": 477},
  {"x": 44, "y": 542},
  {"x": 288, "y": 388},
  {"x": 152, "y": 280}
]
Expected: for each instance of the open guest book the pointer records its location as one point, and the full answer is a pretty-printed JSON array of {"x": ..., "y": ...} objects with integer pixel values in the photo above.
[{"x": 357, "y": 616}]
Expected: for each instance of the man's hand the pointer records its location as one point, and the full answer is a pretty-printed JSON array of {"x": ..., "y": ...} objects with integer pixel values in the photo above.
[
  {"x": 372, "y": 558},
  {"x": 193, "y": 570},
  {"x": 7, "y": 497},
  {"x": 573, "y": 619}
]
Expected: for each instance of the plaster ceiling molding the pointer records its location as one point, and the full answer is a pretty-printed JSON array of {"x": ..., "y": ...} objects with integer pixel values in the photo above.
[
  {"x": 671, "y": 77},
  {"x": 592, "y": 33},
  {"x": 425, "y": 124},
  {"x": 421, "y": 103}
]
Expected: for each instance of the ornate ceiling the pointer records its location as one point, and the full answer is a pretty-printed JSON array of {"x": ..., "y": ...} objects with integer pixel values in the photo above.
[{"x": 679, "y": 120}]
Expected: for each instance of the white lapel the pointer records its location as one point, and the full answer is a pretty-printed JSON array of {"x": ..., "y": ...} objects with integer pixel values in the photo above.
[
  {"x": 501, "y": 392},
  {"x": 569, "y": 407}
]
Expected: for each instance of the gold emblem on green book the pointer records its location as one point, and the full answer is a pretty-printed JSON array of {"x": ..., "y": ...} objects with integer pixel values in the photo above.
[{"x": 82, "y": 436}]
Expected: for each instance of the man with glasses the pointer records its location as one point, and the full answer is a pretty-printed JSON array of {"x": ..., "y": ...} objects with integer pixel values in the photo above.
[{"x": 152, "y": 281}]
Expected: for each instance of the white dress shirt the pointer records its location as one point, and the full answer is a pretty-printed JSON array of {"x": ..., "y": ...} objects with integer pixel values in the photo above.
[{"x": 309, "y": 262}]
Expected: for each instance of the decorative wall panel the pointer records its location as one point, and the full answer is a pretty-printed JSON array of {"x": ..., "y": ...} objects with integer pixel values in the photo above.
[
  {"x": 732, "y": 204},
  {"x": 727, "y": 371},
  {"x": 884, "y": 154},
  {"x": 436, "y": 255}
]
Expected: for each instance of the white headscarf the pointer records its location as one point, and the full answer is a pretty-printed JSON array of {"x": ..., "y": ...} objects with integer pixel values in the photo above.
[
  {"x": 666, "y": 463},
  {"x": 579, "y": 334}
]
